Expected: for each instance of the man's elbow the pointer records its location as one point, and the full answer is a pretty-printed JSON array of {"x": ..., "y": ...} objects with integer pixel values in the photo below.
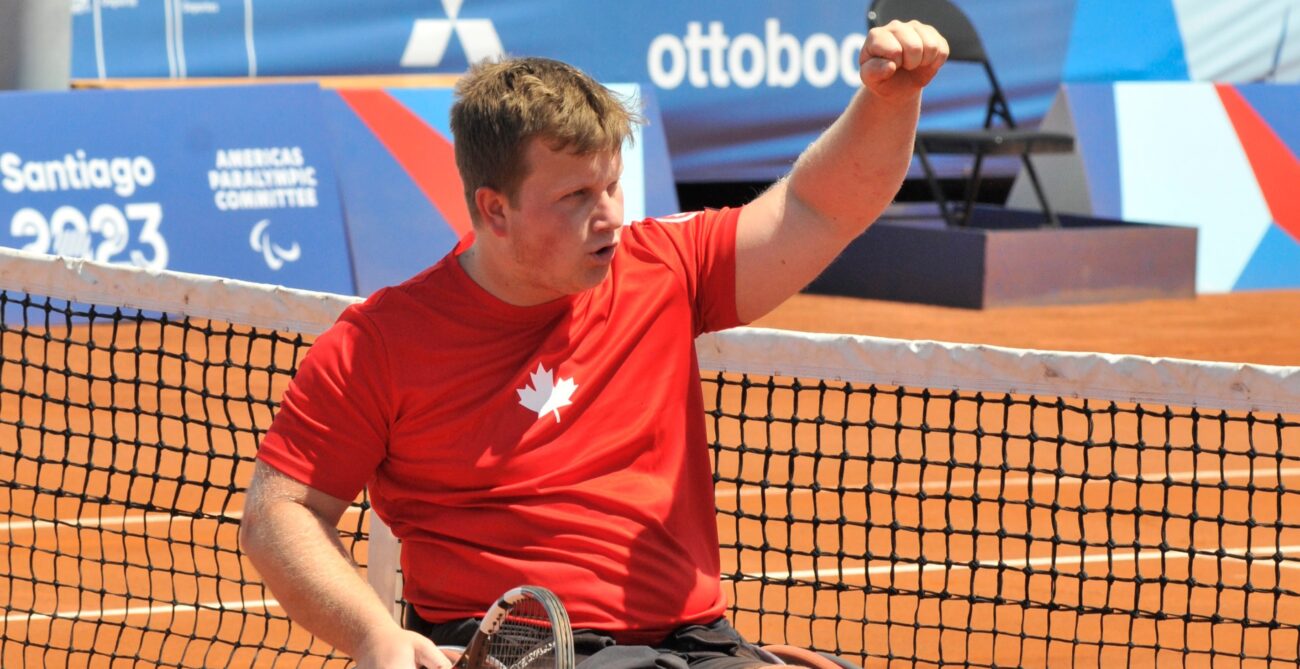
[
  {"x": 249, "y": 529},
  {"x": 256, "y": 526},
  {"x": 259, "y": 509}
]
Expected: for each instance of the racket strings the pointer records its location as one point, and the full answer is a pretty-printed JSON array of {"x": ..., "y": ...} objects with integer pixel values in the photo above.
[{"x": 526, "y": 639}]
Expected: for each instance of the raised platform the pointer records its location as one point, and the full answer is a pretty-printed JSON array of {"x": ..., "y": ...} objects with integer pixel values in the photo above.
[{"x": 1007, "y": 258}]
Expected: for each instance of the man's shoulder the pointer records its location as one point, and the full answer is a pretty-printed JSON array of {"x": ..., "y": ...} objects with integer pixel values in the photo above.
[
  {"x": 430, "y": 281},
  {"x": 678, "y": 218},
  {"x": 682, "y": 218},
  {"x": 411, "y": 298},
  {"x": 649, "y": 230}
]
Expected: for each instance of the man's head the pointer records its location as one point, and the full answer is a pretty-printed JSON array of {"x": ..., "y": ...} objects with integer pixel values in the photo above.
[
  {"x": 501, "y": 106},
  {"x": 539, "y": 146}
]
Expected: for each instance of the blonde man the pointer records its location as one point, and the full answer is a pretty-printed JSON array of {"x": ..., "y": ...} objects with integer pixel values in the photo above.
[{"x": 528, "y": 410}]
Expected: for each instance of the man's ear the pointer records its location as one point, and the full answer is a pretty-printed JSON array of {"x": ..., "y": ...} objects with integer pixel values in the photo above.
[{"x": 491, "y": 205}]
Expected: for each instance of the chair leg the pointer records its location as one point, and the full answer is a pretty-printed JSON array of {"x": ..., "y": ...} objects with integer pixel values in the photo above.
[
  {"x": 1052, "y": 220},
  {"x": 972, "y": 188},
  {"x": 935, "y": 188}
]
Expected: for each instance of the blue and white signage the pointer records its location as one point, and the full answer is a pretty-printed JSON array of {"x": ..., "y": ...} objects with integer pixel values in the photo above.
[
  {"x": 230, "y": 182},
  {"x": 743, "y": 86}
]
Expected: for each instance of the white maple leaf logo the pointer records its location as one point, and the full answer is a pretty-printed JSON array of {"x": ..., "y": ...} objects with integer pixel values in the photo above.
[{"x": 544, "y": 395}]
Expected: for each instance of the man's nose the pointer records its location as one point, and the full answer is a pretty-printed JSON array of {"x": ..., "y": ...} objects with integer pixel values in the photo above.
[{"x": 609, "y": 211}]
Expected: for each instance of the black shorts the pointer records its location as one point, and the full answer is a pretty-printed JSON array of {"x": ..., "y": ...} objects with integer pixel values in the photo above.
[{"x": 716, "y": 645}]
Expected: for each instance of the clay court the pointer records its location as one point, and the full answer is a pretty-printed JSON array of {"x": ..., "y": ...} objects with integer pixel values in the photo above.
[
  {"x": 913, "y": 544},
  {"x": 1257, "y": 327},
  {"x": 1260, "y": 327},
  {"x": 892, "y": 521}
]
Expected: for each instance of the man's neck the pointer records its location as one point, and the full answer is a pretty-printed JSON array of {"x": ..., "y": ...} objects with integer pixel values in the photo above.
[{"x": 497, "y": 281}]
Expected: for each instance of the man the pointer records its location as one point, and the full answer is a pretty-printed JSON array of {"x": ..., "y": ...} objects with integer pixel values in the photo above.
[{"x": 528, "y": 410}]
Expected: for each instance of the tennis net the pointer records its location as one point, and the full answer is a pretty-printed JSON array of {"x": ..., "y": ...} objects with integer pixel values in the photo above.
[
  {"x": 891, "y": 502},
  {"x": 924, "y": 504},
  {"x": 131, "y": 405}
]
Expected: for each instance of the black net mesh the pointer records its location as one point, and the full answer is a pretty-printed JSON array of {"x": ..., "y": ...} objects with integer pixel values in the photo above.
[
  {"x": 922, "y": 527},
  {"x": 887, "y": 525},
  {"x": 126, "y": 440}
]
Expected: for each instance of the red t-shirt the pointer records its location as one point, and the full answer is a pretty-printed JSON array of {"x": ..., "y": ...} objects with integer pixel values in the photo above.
[{"x": 560, "y": 445}]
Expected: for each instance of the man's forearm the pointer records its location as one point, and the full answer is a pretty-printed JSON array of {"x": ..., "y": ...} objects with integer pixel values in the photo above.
[
  {"x": 854, "y": 170},
  {"x": 306, "y": 567}
]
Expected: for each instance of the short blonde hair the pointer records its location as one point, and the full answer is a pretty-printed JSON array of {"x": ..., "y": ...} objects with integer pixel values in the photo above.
[{"x": 500, "y": 106}]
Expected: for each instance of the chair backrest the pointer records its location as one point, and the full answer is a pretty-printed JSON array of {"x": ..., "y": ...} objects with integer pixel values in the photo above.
[
  {"x": 383, "y": 565},
  {"x": 963, "y": 40}
]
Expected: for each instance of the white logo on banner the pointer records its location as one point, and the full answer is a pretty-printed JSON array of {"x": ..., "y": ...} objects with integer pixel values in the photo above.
[
  {"x": 430, "y": 38},
  {"x": 715, "y": 58},
  {"x": 269, "y": 177},
  {"x": 274, "y": 255},
  {"x": 102, "y": 232}
]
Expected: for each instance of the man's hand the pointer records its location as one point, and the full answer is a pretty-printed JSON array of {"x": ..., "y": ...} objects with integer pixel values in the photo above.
[
  {"x": 901, "y": 58},
  {"x": 400, "y": 649}
]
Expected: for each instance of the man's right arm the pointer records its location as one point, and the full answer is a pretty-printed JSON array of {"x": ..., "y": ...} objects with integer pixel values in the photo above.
[{"x": 288, "y": 532}]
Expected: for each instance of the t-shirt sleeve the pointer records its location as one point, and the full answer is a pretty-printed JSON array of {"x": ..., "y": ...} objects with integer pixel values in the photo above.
[
  {"x": 705, "y": 241},
  {"x": 332, "y": 428}
]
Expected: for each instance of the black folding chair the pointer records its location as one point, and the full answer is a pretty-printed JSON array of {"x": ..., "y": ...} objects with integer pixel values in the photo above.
[{"x": 990, "y": 140}]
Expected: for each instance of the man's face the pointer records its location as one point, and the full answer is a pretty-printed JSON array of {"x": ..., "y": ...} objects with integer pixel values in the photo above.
[{"x": 565, "y": 221}]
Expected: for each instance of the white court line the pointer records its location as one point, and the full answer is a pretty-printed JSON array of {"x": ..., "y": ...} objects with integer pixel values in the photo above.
[
  {"x": 94, "y": 522},
  {"x": 249, "y": 44},
  {"x": 178, "y": 34},
  {"x": 137, "y": 610},
  {"x": 1040, "y": 479},
  {"x": 100, "y": 67},
  {"x": 152, "y": 610},
  {"x": 1047, "y": 561},
  {"x": 171, "y": 41}
]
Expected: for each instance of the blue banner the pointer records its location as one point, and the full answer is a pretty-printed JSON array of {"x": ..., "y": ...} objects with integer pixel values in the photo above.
[
  {"x": 230, "y": 182},
  {"x": 743, "y": 85}
]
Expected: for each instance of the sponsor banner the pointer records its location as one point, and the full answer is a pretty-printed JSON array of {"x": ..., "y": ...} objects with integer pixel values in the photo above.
[
  {"x": 743, "y": 86},
  {"x": 230, "y": 182}
]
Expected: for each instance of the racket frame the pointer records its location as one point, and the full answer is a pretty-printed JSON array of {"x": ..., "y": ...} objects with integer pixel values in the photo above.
[{"x": 475, "y": 655}]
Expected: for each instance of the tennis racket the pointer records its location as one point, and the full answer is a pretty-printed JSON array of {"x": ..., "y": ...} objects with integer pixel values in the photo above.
[{"x": 527, "y": 628}]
